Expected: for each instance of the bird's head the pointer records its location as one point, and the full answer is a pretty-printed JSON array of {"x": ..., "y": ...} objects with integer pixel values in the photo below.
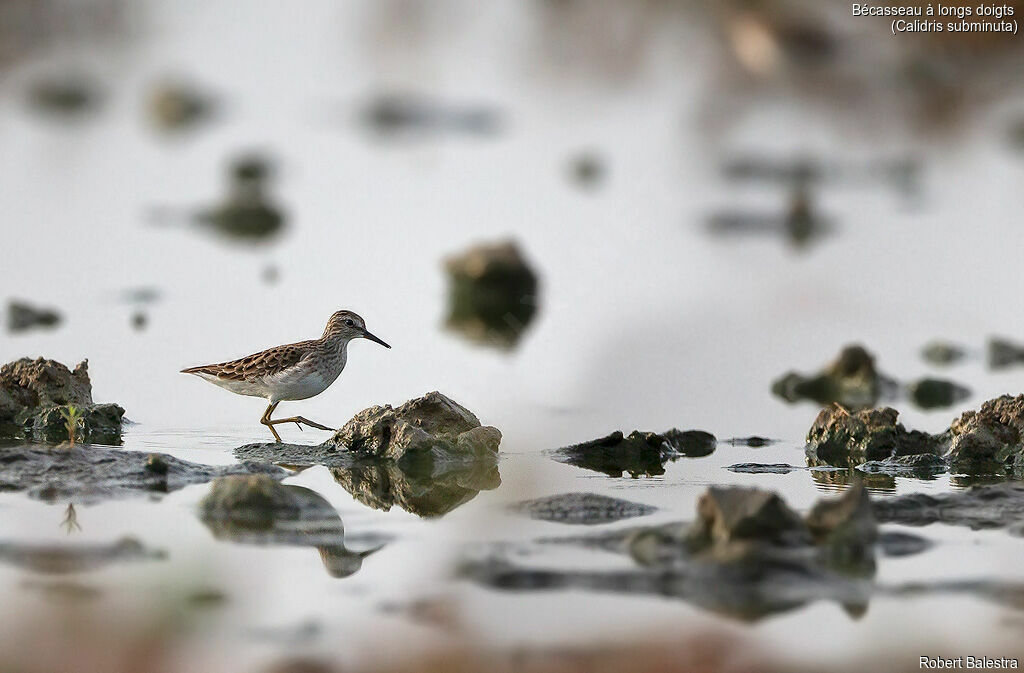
[{"x": 346, "y": 325}]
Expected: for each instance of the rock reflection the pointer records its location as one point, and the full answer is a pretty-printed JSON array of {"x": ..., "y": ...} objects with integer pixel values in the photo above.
[
  {"x": 421, "y": 488},
  {"x": 259, "y": 510}
]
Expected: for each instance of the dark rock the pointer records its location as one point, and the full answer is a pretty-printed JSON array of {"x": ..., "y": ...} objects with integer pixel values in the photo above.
[
  {"x": 991, "y": 438},
  {"x": 407, "y": 114},
  {"x": 258, "y": 509},
  {"x": 763, "y": 468},
  {"x": 432, "y": 426},
  {"x": 22, "y": 317},
  {"x": 942, "y": 353},
  {"x": 840, "y": 437},
  {"x": 139, "y": 320},
  {"x": 59, "y": 559},
  {"x": 936, "y": 393},
  {"x": 991, "y": 506},
  {"x": 1003, "y": 353},
  {"x": 753, "y": 442},
  {"x": 639, "y": 453},
  {"x": 64, "y": 95},
  {"x": 492, "y": 294},
  {"x": 35, "y": 396},
  {"x": 85, "y": 474},
  {"x": 691, "y": 443},
  {"x": 851, "y": 381},
  {"x": 582, "y": 508}
]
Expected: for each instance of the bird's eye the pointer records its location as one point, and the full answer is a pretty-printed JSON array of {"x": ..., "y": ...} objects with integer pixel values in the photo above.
[{"x": 349, "y": 322}]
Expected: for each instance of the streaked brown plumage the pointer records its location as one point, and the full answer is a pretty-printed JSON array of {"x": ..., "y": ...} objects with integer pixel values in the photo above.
[{"x": 291, "y": 372}]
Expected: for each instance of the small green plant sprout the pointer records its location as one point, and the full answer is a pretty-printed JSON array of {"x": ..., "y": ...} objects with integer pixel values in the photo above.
[{"x": 73, "y": 422}]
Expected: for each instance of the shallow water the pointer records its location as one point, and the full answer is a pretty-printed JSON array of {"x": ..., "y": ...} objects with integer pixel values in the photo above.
[{"x": 645, "y": 320}]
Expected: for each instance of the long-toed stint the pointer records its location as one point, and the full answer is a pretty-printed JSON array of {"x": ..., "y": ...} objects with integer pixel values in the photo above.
[{"x": 291, "y": 372}]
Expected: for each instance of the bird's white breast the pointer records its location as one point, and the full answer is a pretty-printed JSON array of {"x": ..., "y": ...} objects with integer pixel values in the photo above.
[{"x": 306, "y": 379}]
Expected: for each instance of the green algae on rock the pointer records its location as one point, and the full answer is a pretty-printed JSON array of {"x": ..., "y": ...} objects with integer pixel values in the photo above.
[{"x": 35, "y": 396}]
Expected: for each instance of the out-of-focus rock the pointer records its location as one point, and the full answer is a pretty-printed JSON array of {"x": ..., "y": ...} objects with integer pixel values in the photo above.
[
  {"x": 639, "y": 453},
  {"x": 397, "y": 114},
  {"x": 35, "y": 396},
  {"x": 432, "y": 424},
  {"x": 936, "y": 393},
  {"x": 22, "y": 317},
  {"x": 492, "y": 294},
  {"x": 587, "y": 170},
  {"x": 748, "y": 555},
  {"x": 851, "y": 380},
  {"x": 942, "y": 353},
  {"x": 175, "y": 107},
  {"x": 731, "y": 513},
  {"x": 1003, "y": 353},
  {"x": 247, "y": 213},
  {"x": 582, "y": 508},
  {"x": 978, "y": 507},
  {"x": 64, "y": 95}
]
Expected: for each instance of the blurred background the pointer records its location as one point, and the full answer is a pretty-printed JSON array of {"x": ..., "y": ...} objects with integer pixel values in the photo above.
[{"x": 688, "y": 198}]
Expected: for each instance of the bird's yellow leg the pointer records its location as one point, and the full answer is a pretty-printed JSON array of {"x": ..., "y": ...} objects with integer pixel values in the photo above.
[
  {"x": 298, "y": 420},
  {"x": 269, "y": 423}
]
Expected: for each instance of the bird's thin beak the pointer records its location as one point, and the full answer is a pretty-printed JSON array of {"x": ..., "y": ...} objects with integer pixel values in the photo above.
[{"x": 373, "y": 338}]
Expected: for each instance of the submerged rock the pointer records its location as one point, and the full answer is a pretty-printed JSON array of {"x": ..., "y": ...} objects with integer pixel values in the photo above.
[
  {"x": 989, "y": 506},
  {"x": 942, "y": 353},
  {"x": 748, "y": 555},
  {"x": 492, "y": 294},
  {"x": 429, "y": 427},
  {"x": 258, "y": 509},
  {"x": 60, "y": 559},
  {"x": 639, "y": 453},
  {"x": 22, "y": 317},
  {"x": 936, "y": 393},
  {"x": 582, "y": 508},
  {"x": 35, "y": 396},
  {"x": 763, "y": 468},
  {"x": 851, "y": 381},
  {"x": 85, "y": 474}
]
